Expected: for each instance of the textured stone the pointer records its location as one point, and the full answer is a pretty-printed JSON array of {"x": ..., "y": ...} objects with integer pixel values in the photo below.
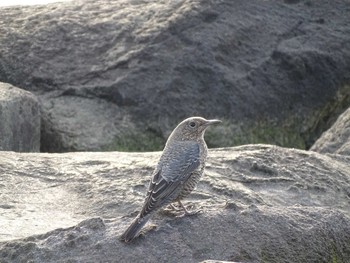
[
  {"x": 19, "y": 120},
  {"x": 274, "y": 71},
  {"x": 260, "y": 203},
  {"x": 337, "y": 138}
]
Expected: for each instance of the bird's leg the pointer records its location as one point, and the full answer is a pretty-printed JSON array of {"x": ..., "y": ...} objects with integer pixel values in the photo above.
[
  {"x": 187, "y": 212},
  {"x": 180, "y": 210},
  {"x": 174, "y": 207}
]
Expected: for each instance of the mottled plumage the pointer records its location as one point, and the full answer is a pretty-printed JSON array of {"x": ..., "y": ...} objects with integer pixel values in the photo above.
[{"x": 177, "y": 173}]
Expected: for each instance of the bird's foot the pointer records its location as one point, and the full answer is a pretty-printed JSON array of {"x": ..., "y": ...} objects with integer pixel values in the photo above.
[
  {"x": 171, "y": 210},
  {"x": 175, "y": 208},
  {"x": 187, "y": 211},
  {"x": 179, "y": 210}
]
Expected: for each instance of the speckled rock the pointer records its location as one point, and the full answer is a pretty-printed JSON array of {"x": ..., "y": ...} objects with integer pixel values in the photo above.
[
  {"x": 19, "y": 120},
  {"x": 259, "y": 203},
  {"x": 337, "y": 138},
  {"x": 274, "y": 71}
]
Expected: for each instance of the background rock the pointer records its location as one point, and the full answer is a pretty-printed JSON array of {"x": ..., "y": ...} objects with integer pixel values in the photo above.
[
  {"x": 337, "y": 138},
  {"x": 260, "y": 203},
  {"x": 127, "y": 71},
  {"x": 19, "y": 120}
]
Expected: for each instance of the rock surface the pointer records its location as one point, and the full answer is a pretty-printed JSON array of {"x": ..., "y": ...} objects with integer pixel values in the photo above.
[
  {"x": 19, "y": 120},
  {"x": 337, "y": 138},
  {"x": 128, "y": 71},
  {"x": 260, "y": 203}
]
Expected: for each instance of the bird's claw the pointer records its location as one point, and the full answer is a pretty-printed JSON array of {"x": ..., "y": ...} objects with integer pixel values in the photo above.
[
  {"x": 180, "y": 210},
  {"x": 191, "y": 213},
  {"x": 175, "y": 208},
  {"x": 187, "y": 211}
]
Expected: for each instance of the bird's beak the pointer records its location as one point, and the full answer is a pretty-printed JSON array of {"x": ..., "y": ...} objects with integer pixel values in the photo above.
[{"x": 210, "y": 122}]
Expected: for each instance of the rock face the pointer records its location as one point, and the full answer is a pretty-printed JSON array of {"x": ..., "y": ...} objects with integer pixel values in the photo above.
[
  {"x": 260, "y": 203},
  {"x": 19, "y": 120},
  {"x": 276, "y": 71},
  {"x": 337, "y": 138}
]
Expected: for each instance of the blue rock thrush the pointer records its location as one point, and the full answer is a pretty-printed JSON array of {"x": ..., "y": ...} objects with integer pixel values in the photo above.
[{"x": 178, "y": 171}]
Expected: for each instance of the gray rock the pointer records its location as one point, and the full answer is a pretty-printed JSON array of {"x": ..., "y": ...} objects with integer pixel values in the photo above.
[
  {"x": 275, "y": 71},
  {"x": 337, "y": 138},
  {"x": 260, "y": 203},
  {"x": 19, "y": 120},
  {"x": 65, "y": 121}
]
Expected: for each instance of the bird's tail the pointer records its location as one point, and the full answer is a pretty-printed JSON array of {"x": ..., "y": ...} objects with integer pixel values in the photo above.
[{"x": 134, "y": 228}]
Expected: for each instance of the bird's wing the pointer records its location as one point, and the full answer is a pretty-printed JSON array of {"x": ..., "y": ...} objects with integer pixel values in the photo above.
[{"x": 173, "y": 171}]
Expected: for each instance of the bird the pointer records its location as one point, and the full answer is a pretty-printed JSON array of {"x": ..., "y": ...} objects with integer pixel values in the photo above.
[{"x": 177, "y": 173}]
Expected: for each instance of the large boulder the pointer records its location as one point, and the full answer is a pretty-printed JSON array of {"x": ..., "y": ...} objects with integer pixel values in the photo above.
[
  {"x": 121, "y": 74},
  {"x": 337, "y": 138},
  {"x": 260, "y": 203},
  {"x": 19, "y": 120}
]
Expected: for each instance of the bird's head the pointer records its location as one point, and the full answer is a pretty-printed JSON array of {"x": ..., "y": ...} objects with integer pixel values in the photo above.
[{"x": 192, "y": 128}]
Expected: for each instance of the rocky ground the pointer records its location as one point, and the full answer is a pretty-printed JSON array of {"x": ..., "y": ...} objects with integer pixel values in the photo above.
[{"x": 260, "y": 203}]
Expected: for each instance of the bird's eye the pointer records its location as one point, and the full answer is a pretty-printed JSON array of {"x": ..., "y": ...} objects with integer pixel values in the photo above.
[{"x": 192, "y": 124}]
